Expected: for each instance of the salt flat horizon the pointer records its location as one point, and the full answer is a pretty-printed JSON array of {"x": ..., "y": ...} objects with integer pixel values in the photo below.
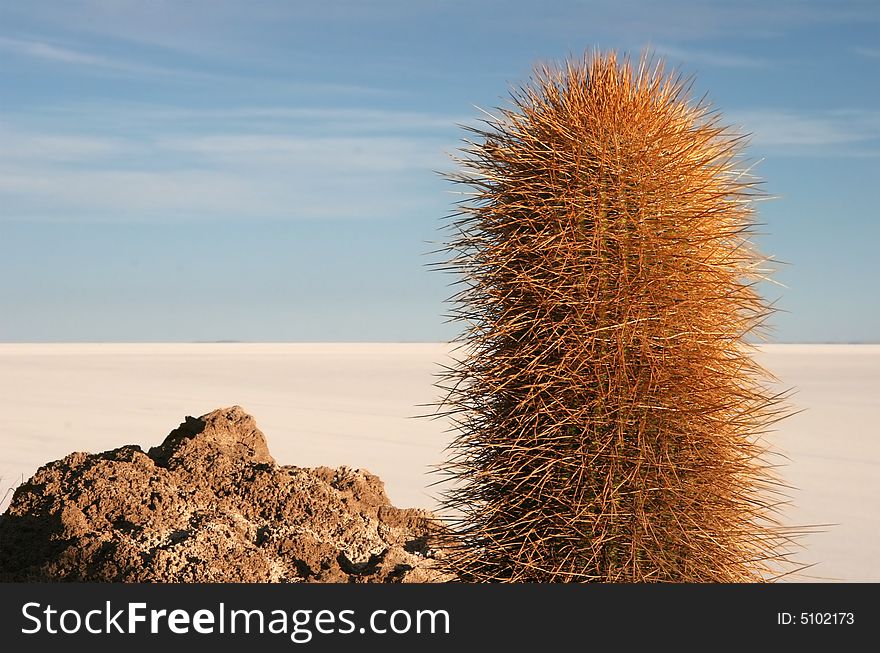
[{"x": 356, "y": 404}]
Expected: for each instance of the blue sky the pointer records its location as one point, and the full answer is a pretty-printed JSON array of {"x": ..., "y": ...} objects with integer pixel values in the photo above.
[{"x": 265, "y": 170}]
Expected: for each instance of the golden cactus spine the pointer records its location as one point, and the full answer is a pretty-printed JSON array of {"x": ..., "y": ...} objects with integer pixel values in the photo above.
[{"x": 607, "y": 406}]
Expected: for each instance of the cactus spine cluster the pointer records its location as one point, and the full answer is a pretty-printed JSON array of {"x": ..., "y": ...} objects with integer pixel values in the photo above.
[{"x": 607, "y": 407}]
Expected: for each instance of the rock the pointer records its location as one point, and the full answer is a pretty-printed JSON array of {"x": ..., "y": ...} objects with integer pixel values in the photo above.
[
  {"x": 210, "y": 504},
  {"x": 229, "y": 431}
]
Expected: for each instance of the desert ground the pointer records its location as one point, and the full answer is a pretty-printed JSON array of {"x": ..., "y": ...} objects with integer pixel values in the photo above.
[{"x": 357, "y": 405}]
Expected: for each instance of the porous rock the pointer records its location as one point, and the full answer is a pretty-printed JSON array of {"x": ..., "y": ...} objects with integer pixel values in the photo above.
[{"x": 210, "y": 504}]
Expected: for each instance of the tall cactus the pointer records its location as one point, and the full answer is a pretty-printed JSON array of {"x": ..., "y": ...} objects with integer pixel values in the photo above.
[{"x": 607, "y": 408}]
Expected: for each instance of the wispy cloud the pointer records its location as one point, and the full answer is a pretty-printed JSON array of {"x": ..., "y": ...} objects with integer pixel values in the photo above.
[
  {"x": 871, "y": 53},
  {"x": 43, "y": 50},
  {"x": 26, "y": 145},
  {"x": 298, "y": 189},
  {"x": 371, "y": 156},
  {"x": 291, "y": 163},
  {"x": 359, "y": 119},
  {"x": 70, "y": 56},
  {"x": 636, "y": 22},
  {"x": 821, "y": 131},
  {"x": 216, "y": 28},
  {"x": 712, "y": 58},
  {"x": 327, "y": 119},
  {"x": 65, "y": 55},
  {"x": 313, "y": 164},
  {"x": 220, "y": 27}
]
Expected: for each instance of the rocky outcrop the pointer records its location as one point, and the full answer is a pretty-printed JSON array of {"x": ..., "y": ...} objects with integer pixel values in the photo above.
[{"x": 210, "y": 504}]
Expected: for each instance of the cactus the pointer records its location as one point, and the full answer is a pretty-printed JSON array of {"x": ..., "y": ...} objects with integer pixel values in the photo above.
[{"x": 607, "y": 409}]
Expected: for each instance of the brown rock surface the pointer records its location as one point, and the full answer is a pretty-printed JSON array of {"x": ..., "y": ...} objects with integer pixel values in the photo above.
[{"x": 209, "y": 505}]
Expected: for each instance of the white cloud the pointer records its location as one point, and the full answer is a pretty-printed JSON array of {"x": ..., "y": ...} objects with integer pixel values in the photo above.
[
  {"x": 47, "y": 51},
  {"x": 24, "y": 145},
  {"x": 336, "y": 119},
  {"x": 780, "y": 128},
  {"x": 711, "y": 58},
  {"x": 69, "y": 56},
  {"x": 171, "y": 171},
  {"x": 220, "y": 27},
  {"x": 100, "y": 64},
  {"x": 296, "y": 191},
  {"x": 353, "y": 119},
  {"x": 871, "y": 53},
  {"x": 211, "y": 28},
  {"x": 635, "y": 22},
  {"x": 304, "y": 166},
  {"x": 365, "y": 154}
]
